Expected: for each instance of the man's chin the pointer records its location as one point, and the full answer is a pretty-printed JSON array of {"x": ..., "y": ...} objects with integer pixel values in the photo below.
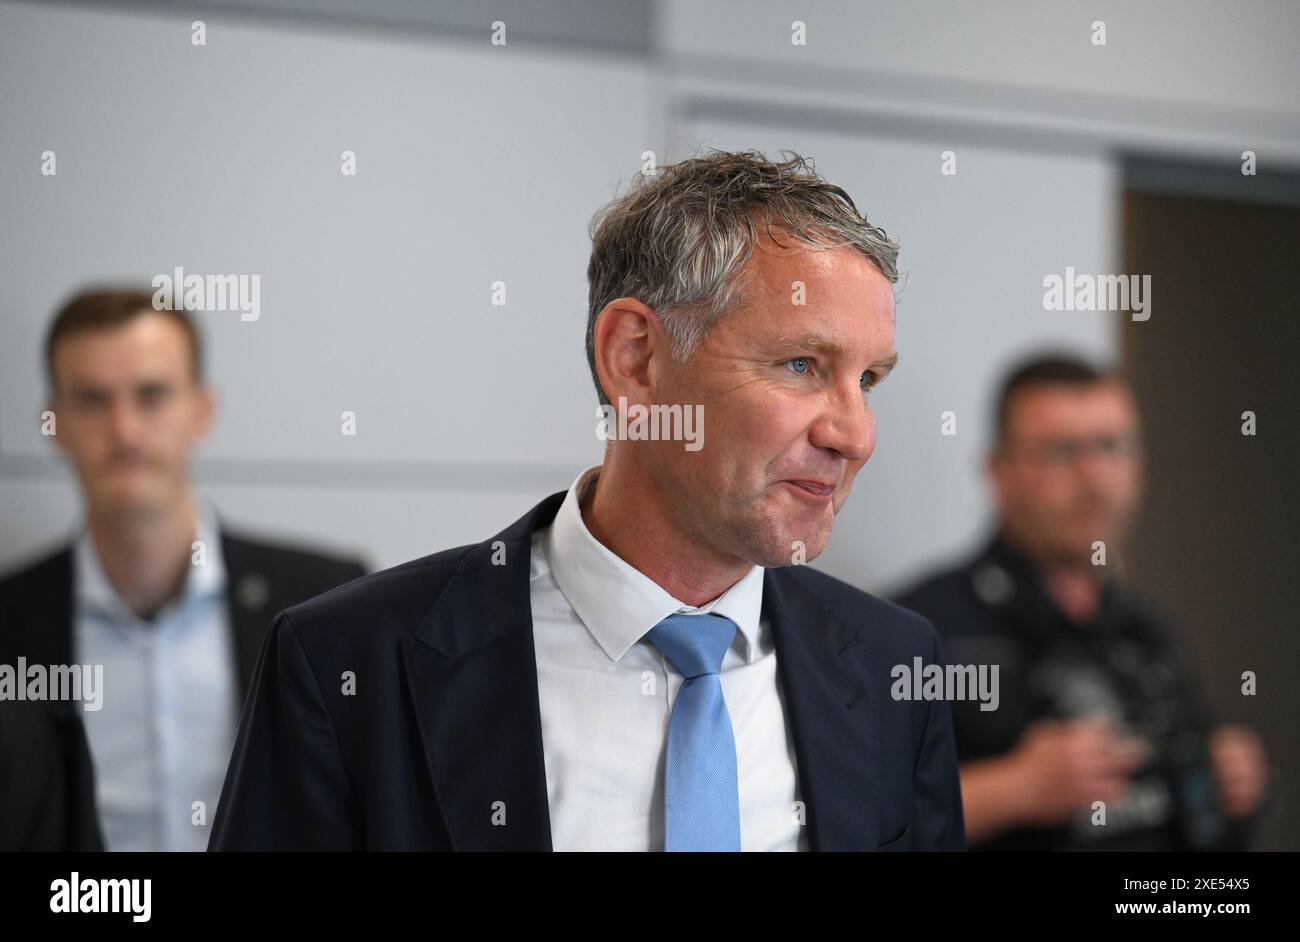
[
  {"x": 1083, "y": 546},
  {"x": 129, "y": 502},
  {"x": 799, "y": 546}
]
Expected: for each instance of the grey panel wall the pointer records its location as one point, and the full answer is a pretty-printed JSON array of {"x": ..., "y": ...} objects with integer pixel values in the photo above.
[
  {"x": 376, "y": 289},
  {"x": 480, "y": 164}
]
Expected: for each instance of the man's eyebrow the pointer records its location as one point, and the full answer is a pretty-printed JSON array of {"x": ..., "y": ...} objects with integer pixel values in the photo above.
[
  {"x": 820, "y": 344},
  {"x": 811, "y": 342}
]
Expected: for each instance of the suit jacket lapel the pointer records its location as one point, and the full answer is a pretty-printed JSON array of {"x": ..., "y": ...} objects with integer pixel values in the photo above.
[
  {"x": 49, "y": 639},
  {"x": 246, "y": 591},
  {"x": 52, "y": 642},
  {"x": 831, "y": 708},
  {"x": 472, "y": 671}
]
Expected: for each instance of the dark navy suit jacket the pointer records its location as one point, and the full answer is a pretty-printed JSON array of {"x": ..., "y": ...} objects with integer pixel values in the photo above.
[{"x": 442, "y": 729}]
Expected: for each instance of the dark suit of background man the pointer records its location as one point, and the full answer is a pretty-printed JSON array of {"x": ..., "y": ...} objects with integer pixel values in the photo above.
[
  {"x": 1097, "y": 700},
  {"x": 155, "y": 589},
  {"x": 635, "y": 664}
]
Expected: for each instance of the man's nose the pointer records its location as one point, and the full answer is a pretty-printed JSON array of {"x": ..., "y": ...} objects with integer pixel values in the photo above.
[
  {"x": 847, "y": 425},
  {"x": 124, "y": 419}
]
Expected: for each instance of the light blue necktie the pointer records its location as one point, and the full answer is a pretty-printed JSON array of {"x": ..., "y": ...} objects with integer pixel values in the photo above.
[{"x": 701, "y": 796}]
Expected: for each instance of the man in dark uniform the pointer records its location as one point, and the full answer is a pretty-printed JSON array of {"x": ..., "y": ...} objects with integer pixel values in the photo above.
[
  {"x": 155, "y": 607},
  {"x": 1100, "y": 739}
]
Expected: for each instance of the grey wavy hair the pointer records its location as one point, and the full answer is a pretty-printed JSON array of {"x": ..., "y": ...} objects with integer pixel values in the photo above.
[{"x": 679, "y": 239}]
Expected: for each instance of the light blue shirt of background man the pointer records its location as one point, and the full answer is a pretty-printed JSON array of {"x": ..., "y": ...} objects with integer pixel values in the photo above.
[{"x": 162, "y": 737}]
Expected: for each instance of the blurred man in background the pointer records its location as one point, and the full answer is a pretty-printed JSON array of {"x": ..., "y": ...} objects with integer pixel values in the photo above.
[
  {"x": 155, "y": 589},
  {"x": 1098, "y": 703}
]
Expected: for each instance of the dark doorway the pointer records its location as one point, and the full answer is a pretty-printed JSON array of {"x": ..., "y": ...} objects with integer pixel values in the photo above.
[{"x": 1217, "y": 545}]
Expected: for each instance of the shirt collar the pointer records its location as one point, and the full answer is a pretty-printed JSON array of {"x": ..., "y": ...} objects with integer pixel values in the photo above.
[
  {"x": 618, "y": 603},
  {"x": 94, "y": 591}
]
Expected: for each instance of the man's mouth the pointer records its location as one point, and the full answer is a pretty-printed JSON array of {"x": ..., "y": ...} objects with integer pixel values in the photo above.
[
  {"x": 816, "y": 490},
  {"x": 129, "y": 465}
]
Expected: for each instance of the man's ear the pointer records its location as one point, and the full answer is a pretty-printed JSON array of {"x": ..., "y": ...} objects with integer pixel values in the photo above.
[{"x": 627, "y": 337}]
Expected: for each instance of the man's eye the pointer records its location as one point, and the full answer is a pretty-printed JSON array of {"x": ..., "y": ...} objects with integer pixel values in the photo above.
[
  {"x": 152, "y": 396},
  {"x": 798, "y": 364}
]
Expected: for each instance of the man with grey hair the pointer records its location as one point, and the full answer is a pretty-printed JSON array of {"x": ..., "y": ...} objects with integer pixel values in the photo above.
[{"x": 641, "y": 662}]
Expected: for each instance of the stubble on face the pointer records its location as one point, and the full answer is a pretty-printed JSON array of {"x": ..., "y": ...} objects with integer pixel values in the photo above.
[
  {"x": 767, "y": 425},
  {"x": 1059, "y": 514}
]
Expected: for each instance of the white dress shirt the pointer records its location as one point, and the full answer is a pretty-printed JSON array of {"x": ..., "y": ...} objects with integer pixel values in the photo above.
[
  {"x": 606, "y": 696},
  {"x": 162, "y": 739}
]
